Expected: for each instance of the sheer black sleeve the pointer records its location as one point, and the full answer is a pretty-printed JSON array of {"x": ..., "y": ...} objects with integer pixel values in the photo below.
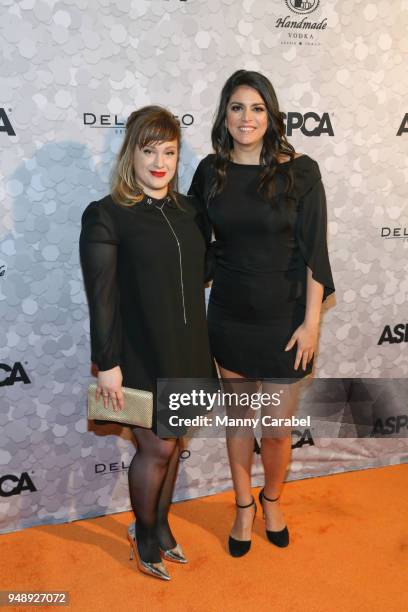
[
  {"x": 199, "y": 189},
  {"x": 98, "y": 246},
  {"x": 311, "y": 234}
]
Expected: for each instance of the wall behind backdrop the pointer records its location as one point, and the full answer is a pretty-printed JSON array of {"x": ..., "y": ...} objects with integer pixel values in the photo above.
[{"x": 71, "y": 73}]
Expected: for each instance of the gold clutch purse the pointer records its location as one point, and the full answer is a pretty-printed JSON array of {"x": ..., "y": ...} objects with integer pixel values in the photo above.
[{"x": 138, "y": 409}]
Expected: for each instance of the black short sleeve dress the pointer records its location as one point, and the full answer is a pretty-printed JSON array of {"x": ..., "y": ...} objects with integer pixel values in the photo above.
[
  {"x": 143, "y": 269},
  {"x": 261, "y": 253}
]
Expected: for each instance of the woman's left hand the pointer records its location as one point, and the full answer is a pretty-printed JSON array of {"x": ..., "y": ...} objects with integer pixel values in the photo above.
[{"x": 306, "y": 337}]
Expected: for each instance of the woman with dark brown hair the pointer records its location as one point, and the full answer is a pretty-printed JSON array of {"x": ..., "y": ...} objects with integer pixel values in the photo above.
[
  {"x": 142, "y": 255},
  {"x": 267, "y": 208}
]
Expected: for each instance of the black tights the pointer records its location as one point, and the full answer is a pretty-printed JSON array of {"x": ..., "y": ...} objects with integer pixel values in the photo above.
[{"x": 152, "y": 475}]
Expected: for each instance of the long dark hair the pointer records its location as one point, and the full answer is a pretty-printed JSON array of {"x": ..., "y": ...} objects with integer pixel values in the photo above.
[
  {"x": 274, "y": 140},
  {"x": 143, "y": 127}
]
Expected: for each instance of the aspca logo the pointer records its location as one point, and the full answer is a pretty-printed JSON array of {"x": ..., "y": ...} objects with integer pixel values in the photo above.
[
  {"x": 14, "y": 485},
  {"x": 310, "y": 124},
  {"x": 9, "y": 375},
  {"x": 396, "y": 336},
  {"x": 391, "y": 425},
  {"x": 5, "y": 123},
  {"x": 403, "y": 128},
  {"x": 303, "y": 437},
  {"x": 302, "y": 7}
]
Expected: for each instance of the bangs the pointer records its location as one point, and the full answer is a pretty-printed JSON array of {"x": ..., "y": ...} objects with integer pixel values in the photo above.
[{"x": 162, "y": 128}]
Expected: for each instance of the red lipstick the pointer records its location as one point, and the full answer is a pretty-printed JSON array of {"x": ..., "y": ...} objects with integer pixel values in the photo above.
[{"x": 157, "y": 173}]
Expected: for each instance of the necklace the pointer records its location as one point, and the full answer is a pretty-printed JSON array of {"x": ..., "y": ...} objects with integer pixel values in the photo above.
[{"x": 159, "y": 204}]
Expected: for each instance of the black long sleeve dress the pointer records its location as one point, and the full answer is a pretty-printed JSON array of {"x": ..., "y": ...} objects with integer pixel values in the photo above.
[
  {"x": 143, "y": 269},
  {"x": 258, "y": 296}
]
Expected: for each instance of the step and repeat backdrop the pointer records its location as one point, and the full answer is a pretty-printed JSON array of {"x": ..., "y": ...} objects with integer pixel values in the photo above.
[{"x": 71, "y": 72}]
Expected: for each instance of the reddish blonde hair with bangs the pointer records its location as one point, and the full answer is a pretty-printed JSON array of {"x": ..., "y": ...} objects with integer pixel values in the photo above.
[{"x": 148, "y": 125}]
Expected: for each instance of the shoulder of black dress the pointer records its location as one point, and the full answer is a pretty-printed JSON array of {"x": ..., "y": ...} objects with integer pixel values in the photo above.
[
  {"x": 104, "y": 202},
  {"x": 307, "y": 160},
  {"x": 108, "y": 201},
  {"x": 103, "y": 207},
  {"x": 307, "y": 166},
  {"x": 182, "y": 198},
  {"x": 208, "y": 158},
  {"x": 96, "y": 211},
  {"x": 187, "y": 202},
  {"x": 207, "y": 161},
  {"x": 306, "y": 174}
]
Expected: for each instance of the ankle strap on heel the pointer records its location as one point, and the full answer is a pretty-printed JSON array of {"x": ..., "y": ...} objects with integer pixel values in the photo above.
[
  {"x": 269, "y": 499},
  {"x": 247, "y": 505}
]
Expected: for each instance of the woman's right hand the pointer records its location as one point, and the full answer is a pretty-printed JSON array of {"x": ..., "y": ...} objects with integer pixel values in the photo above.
[{"x": 110, "y": 387}]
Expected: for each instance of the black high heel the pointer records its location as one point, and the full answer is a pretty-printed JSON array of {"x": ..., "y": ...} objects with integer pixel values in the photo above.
[
  {"x": 239, "y": 548},
  {"x": 279, "y": 538}
]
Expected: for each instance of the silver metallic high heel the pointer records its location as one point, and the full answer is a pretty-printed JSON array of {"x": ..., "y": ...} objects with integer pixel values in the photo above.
[
  {"x": 175, "y": 554},
  {"x": 158, "y": 570}
]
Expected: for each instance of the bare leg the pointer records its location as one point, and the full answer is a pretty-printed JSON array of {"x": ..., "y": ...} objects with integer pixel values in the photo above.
[
  {"x": 276, "y": 452},
  {"x": 240, "y": 448}
]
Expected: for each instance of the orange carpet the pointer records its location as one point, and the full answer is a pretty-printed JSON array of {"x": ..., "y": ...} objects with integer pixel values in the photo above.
[{"x": 348, "y": 552}]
